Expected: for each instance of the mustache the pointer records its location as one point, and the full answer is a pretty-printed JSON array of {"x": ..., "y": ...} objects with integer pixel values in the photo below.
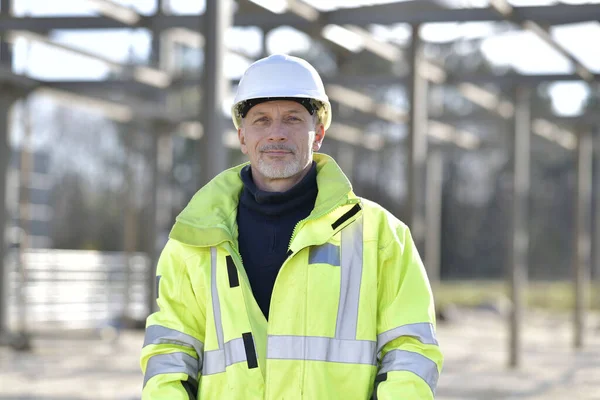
[{"x": 278, "y": 147}]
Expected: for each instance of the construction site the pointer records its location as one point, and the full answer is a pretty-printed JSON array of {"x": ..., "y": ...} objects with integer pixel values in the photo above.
[{"x": 475, "y": 122}]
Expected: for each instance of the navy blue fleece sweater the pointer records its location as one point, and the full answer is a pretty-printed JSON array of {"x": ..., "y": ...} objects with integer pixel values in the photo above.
[{"x": 266, "y": 221}]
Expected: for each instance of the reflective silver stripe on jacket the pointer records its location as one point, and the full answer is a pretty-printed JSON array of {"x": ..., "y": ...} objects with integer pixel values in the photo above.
[
  {"x": 232, "y": 352},
  {"x": 321, "y": 349},
  {"x": 351, "y": 277},
  {"x": 402, "y": 360},
  {"x": 178, "y": 362},
  {"x": 325, "y": 254},
  {"x": 423, "y": 332},
  {"x": 215, "y": 361},
  {"x": 215, "y": 296},
  {"x": 157, "y": 334}
]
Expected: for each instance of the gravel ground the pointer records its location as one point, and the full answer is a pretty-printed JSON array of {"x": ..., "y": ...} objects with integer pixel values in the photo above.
[{"x": 475, "y": 346}]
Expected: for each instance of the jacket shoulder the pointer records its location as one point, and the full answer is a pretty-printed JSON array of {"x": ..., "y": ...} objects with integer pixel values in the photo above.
[
  {"x": 381, "y": 224},
  {"x": 176, "y": 253},
  {"x": 179, "y": 249}
]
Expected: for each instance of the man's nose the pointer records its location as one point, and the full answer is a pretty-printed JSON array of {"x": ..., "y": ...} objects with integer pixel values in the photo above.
[{"x": 278, "y": 131}]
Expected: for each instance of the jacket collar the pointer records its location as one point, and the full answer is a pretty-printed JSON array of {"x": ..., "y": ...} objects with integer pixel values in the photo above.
[{"x": 210, "y": 217}]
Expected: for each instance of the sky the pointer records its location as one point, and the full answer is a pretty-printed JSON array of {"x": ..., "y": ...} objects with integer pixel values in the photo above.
[{"x": 524, "y": 51}]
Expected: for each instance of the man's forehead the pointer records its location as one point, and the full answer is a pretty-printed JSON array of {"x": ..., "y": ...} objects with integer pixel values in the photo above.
[{"x": 283, "y": 105}]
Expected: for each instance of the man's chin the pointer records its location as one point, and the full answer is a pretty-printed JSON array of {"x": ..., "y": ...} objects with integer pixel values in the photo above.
[{"x": 277, "y": 172}]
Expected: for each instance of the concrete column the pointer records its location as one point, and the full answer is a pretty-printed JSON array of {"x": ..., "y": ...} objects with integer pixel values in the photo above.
[
  {"x": 217, "y": 19},
  {"x": 153, "y": 251},
  {"x": 163, "y": 6},
  {"x": 131, "y": 217},
  {"x": 161, "y": 154},
  {"x": 6, "y": 102},
  {"x": 5, "y": 53},
  {"x": 519, "y": 232},
  {"x": 265, "y": 39},
  {"x": 160, "y": 203},
  {"x": 583, "y": 241},
  {"x": 417, "y": 142},
  {"x": 156, "y": 60},
  {"x": 596, "y": 199},
  {"x": 433, "y": 245},
  {"x": 164, "y": 156},
  {"x": 5, "y": 105}
]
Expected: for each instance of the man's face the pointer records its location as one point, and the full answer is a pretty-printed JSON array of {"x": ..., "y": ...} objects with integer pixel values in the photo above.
[{"x": 279, "y": 138}]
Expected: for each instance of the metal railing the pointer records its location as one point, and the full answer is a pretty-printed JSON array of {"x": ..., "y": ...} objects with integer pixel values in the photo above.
[{"x": 57, "y": 290}]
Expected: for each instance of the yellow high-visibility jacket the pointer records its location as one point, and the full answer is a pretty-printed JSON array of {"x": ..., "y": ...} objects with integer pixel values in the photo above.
[{"x": 351, "y": 317}]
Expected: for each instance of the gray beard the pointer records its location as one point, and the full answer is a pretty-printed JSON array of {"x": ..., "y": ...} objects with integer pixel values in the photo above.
[{"x": 271, "y": 171}]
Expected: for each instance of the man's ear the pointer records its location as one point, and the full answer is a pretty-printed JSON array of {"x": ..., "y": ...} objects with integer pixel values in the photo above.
[
  {"x": 319, "y": 136},
  {"x": 242, "y": 139}
]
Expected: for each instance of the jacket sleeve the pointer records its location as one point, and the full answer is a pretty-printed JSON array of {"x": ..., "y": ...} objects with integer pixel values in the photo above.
[
  {"x": 171, "y": 358},
  {"x": 408, "y": 354}
]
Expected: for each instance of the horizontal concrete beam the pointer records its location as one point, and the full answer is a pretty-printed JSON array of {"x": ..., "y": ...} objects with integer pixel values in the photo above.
[{"x": 386, "y": 14}]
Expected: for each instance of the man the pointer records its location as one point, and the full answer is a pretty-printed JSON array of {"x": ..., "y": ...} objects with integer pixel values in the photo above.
[{"x": 278, "y": 282}]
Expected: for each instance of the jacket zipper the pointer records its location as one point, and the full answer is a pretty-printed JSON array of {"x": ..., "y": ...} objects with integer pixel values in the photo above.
[{"x": 303, "y": 221}]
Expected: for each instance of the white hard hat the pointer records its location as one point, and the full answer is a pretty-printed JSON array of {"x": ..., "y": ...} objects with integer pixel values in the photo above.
[{"x": 280, "y": 76}]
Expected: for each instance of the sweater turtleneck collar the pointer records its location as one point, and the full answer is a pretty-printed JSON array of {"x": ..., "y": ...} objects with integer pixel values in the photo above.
[{"x": 301, "y": 195}]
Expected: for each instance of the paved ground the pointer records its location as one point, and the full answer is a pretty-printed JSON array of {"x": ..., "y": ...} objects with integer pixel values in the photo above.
[
  {"x": 475, "y": 346},
  {"x": 476, "y": 351}
]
